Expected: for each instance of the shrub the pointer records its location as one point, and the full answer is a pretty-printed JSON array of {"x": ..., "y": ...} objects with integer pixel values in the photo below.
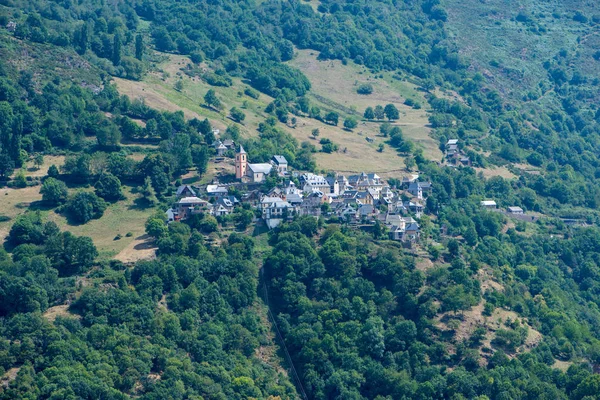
[
  {"x": 54, "y": 192},
  {"x": 365, "y": 89},
  {"x": 85, "y": 206},
  {"x": 109, "y": 187}
]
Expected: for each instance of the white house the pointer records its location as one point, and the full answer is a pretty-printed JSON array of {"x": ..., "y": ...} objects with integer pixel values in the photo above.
[
  {"x": 489, "y": 204},
  {"x": 281, "y": 164}
]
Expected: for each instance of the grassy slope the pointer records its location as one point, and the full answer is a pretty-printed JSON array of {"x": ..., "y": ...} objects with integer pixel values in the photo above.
[{"x": 334, "y": 87}]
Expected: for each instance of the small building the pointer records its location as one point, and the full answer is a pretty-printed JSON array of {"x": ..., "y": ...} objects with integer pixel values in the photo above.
[
  {"x": 171, "y": 215},
  {"x": 191, "y": 205},
  {"x": 220, "y": 148},
  {"x": 365, "y": 181},
  {"x": 294, "y": 199},
  {"x": 224, "y": 206},
  {"x": 275, "y": 210},
  {"x": 407, "y": 180},
  {"x": 366, "y": 211},
  {"x": 403, "y": 229},
  {"x": 313, "y": 183},
  {"x": 276, "y": 192},
  {"x": 417, "y": 188},
  {"x": 185, "y": 191},
  {"x": 465, "y": 161},
  {"x": 489, "y": 204},
  {"x": 281, "y": 164},
  {"x": 515, "y": 210},
  {"x": 217, "y": 190},
  {"x": 290, "y": 188}
]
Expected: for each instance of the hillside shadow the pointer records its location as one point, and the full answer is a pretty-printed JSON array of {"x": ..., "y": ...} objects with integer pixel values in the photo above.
[{"x": 147, "y": 244}]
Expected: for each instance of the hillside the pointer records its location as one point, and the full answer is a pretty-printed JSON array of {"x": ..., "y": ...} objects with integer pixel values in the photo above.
[{"x": 415, "y": 213}]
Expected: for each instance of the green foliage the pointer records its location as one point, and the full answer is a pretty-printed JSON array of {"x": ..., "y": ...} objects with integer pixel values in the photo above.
[
  {"x": 350, "y": 123},
  {"x": 85, "y": 206},
  {"x": 54, "y": 192},
  {"x": 237, "y": 115},
  {"x": 109, "y": 187},
  {"x": 365, "y": 89}
]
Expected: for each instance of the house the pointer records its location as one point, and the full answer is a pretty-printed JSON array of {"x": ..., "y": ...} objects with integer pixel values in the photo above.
[
  {"x": 366, "y": 211},
  {"x": 404, "y": 207},
  {"x": 275, "y": 210},
  {"x": 171, "y": 215},
  {"x": 220, "y": 148},
  {"x": 190, "y": 205},
  {"x": 224, "y": 206},
  {"x": 417, "y": 189},
  {"x": 366, "y": 181},
  {"x": 11, "y": 26},
  {"x": 252, "y": 197},
  {"x": 311, "y": 205},
  {"x": 465, "y": 161},
  {"x": 290, "y": 188},
  {"x": 358, "y": 197},
  {"x": 374, "y": 193},
  {"x": 407, "y": 180},
  {"x": 515, "y": 210},
  {"x": 281, "y": 164},
  {"x": 276, "y": 192},
  {"x": 247, "y": 172},
  {"x": 411, "y": 232},
  {"x": 404, "y": 229},
  {"x": 217, "y": 190},
  {"x": 185, "y": 191},
  {"x": 489, "y": 204},
  {"x": 294, "y": 199},
  {"x": 230, "y": 144},
  {"x": 347, "y": 212},
  {"x": 313, "y": 183},
  {"x": 452, "y": 148}
]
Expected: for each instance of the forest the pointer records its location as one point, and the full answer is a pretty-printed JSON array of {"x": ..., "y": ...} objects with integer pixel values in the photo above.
[{"x": 502, "y": 309}]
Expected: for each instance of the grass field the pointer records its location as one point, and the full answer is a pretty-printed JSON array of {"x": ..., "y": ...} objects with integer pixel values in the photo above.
[
  {"x": 14, "y": 202},
  {"x": 32, "y": 170},
  {"x": 334, "y": 88},
  {"x": 337, "y": 84},
  {"x": 119, "y": 218}
]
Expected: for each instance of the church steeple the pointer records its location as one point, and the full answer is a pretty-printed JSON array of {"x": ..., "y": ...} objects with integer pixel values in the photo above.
[{"x": 241, "y": 163}]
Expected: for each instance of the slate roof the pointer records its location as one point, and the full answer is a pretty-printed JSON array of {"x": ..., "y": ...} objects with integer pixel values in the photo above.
[
  {"x": 182, "y": 188},
  {"x": 280, "y": 160},
  {"x": 260, "y": 168}
]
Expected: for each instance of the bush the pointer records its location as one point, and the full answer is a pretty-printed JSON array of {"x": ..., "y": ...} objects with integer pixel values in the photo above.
[
  {"x": 85, "y": 206},
  {"x": 251, "y": 93},
  {"x": 54, "y": 192},
  {"x": 365, "y": 89},
  {"x": 109, "y": 187}
]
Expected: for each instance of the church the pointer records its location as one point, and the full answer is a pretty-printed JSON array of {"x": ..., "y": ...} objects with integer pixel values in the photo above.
[{"x": 247, "y": 172}]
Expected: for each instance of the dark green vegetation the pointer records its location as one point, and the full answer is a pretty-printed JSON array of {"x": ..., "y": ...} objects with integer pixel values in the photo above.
[
  {"x": 182, "y": 326},
  {"x": 361, "y": 317}
]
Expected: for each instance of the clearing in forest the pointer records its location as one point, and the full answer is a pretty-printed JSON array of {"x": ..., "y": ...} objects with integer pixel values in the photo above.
[{"x": 119, "y": 218}]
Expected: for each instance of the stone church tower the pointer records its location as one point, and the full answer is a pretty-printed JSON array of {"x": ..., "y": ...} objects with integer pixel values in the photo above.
[{"x": 241, "y": 163}]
